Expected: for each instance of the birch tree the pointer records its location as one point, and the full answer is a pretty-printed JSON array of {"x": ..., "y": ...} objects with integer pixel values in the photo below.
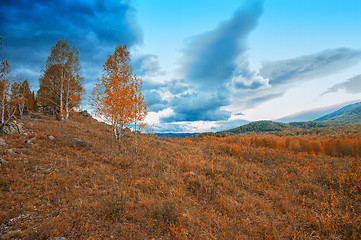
[
  {"x": 116, "y": 96},
  {"x": 21, "y": 96},
  {"x": 4, "y": 89},
  {"x": 61, "y": 82},
  {"x": 139, "y": 109}
]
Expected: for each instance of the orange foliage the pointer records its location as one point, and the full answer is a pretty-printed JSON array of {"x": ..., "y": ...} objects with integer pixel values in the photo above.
[
  {"x": 334, "y": 145},
  {"x": 116, "y": 96}
]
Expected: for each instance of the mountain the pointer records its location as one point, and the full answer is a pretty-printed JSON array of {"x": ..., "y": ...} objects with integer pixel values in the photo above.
[
  {"x": 259, "y": 127},
  {"x": 308, "y": 115},
  {"x": 174, "y": 135},
  {"x": 339, "y": 112},
  {"x": 277, "y": 127},
  {"x": 350, "y": 117}
]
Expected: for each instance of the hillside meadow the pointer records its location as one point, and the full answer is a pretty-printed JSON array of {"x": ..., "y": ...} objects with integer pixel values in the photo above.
[{"x": 69, "y": 180}]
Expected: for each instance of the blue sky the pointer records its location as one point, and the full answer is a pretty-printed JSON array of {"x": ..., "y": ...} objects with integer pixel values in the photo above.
[{"x": 206, "y": 65}]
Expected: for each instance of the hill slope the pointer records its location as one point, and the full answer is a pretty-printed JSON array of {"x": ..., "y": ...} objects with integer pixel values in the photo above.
[
  {"x": 259, "y": 127},
  {"x": 278, "y": 128},
  {"x": 69, "y": 181},
  {"x": 350, "y": 117},
  {"x": 339, "y": 112}
]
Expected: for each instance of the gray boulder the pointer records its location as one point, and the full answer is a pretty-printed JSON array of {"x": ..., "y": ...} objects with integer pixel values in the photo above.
[
  {"x": 85, "y": 114},
  {"x": 3, "y": 161},
  {"x": 11, "y": 128},
  {"x": 2, "y": 142},
  {"x": 31, "y": 141}
]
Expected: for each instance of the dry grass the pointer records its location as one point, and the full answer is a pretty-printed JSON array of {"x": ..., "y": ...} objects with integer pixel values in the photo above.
[{"x": 78, "y": 187}]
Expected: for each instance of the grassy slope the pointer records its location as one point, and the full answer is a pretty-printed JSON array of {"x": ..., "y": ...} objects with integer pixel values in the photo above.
[{"x": 212, "y": 188}]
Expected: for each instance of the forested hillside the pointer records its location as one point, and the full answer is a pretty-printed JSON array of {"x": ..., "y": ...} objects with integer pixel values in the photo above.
[
  {"x": 339, "y": 112},
  {"x": 351, "y": 117}
]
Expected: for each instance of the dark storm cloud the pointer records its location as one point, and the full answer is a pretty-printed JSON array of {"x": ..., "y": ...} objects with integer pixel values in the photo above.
[
  {"x": 30, "y": 28},
  {"x": 154, "y": 101},
  {"x": 253, "y": 85},
  {"x": 352, "y": 85},
  {"x": 200, "y": 106},
  {"x": 153, "y": 97},
  {"x": 210, "y": 58},
  {"x": 314, "y": 65},
  {"x": 209, "y": 64}
]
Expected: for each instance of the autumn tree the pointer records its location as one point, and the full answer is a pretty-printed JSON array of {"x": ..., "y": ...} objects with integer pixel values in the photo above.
[
  {"x": 5, "y": 76},
  {"x": 139, "y": 109},
  {"x": 61, "y": 83},
  {"x": 4, "y": 88},
  {"x": 21, "y": 96},
  {"x": 117, "y": 94}
]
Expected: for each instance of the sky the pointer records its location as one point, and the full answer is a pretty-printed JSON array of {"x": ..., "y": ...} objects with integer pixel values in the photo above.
[{"x": 206, "y": 65}]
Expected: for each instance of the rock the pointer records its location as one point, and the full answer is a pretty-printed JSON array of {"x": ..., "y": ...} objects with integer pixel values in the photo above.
[
  {"x": 58, "y": 238},
  {"x": 80, "y": 143},
  {"x": 2, "y": 142},
  {"x": 51, "y": 138},
  {"x": 85, "y": 114},
  {"x": 193, "y": 173},
  {"x": 31, "y": 141},
  {"x": 2, "y": 161},
  {"x": 11, "y": 128},
  {"x": 11, "y": 151}
]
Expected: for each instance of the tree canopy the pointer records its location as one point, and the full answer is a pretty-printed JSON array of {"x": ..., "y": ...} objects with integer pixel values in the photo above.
[
  {"x": 61, "y": 81},
  {"x": 117, "y": 94}
]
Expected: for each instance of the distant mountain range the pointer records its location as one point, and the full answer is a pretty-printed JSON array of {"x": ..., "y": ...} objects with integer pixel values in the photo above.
[
  {"x": 341, "y": 111},
  {"x": 350, "y": 117},
  {"x": 347, "y": 115},
  {"x": 274, "y": 127},
  {"x": 174, "y": 135}
]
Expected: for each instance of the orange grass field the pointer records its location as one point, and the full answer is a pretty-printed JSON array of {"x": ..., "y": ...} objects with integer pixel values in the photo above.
[{"x": 76, "y": 185}]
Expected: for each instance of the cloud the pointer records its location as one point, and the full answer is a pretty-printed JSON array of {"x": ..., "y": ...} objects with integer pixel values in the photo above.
[
  {"x": 159, "y": 95},
  {"x": 308, "y": 66},
  {"x": 209, "y": 64},
  {"x": 167, "y": 128},
  {"x": 352, "y": 85},
  {"x": 147, "y": 64},
  {"x": 275, "y": 77},
  {"x": 226, "y": 125},
  {"x": 249, "y": 80},
  {"x": 154, "y": 101},
  {"x": 210, "y": 58},
  {"x": 30, "y": 28},
  {"x": 199, "y": 106}
]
